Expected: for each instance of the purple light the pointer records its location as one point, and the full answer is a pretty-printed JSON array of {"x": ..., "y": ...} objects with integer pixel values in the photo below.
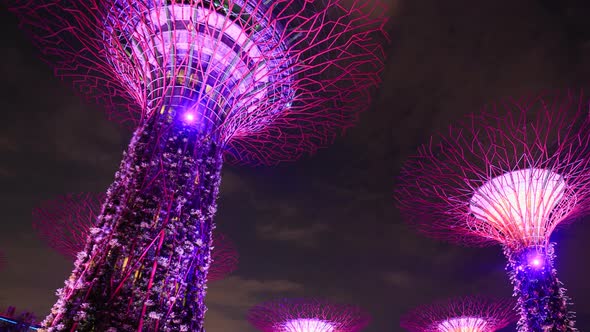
[
  {"x": 189, "y": 117},
  {"x": 536, "y": 262}
]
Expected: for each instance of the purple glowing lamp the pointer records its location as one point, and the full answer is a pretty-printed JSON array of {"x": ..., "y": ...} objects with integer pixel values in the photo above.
[
  {"x": 509, "y": 175},
  {"x": 462, "y": 314},
  {"x": 307, "y": 315},
  {"x": 202, "y": 81},
  {"x": 189, "y": 117}
]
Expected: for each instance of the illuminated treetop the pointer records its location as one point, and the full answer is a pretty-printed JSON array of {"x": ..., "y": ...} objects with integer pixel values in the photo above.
[
  {"x": 307, "y": 315},
  {"x": 270, "y": 79},
  {"x": 463, "y": 314},
  {"x": 509, "y": 174},
  {"x": 64, "y": 224}
]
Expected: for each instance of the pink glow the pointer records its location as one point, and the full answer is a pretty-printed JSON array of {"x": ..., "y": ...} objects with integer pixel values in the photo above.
[
  {"x": 519, "y": 204},
  {"x": 462, "y": 314},
  {"x": 306, "y": 315},
  {"x": 463, "y": 324},
  {"x": 307, "y": 325},
  {"x": 186, "y": 41}
]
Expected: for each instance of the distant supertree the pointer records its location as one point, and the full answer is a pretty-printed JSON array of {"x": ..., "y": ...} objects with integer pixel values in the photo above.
[
  {"x": 462, "y": 314},
  {"x": 23, "y": 322},
  {"x": 64, "y": 223},
  {"x": 224, "y": 257},
  {"x": 307, "y": 315},
  {"x": 259, "y": 81},
  {"x": 509, "y": 175}
]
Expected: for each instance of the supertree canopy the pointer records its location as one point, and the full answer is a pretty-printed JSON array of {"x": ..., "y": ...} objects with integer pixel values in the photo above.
[
  {"x": 509, "y": 175},
  {"x": 307, "y": 315},
  {"x": 258, "y": 80},
  {"x": 65, "y": 223},
  {"x": 266, "y": 80},
  {"x": 462, "y": 314}
]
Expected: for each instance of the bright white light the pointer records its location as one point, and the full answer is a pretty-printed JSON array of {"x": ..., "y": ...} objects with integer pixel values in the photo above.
[
  {"x": 463, "y": 324},
  {"x": 307, "y": 325},
  {"x": 189, "y": 117},
  {"x": 536, "y": 262},
  {"x": 517, "y": 205},
  {"x": 151, "y": 49}
]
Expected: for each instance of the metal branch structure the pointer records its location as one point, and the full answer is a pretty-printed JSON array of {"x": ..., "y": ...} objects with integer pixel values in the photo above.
[
  {"x": 251, "y": 81},
  {"x": 64, "y": 223},
  {"x": 224, "y": 257},
  {"x": 307, "y": 315},
  {"x": 509, "y": 175},
  {"x": 461, "y": 314}
]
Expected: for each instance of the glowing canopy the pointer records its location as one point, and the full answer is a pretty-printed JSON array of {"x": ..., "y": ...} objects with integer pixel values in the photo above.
[
  {"x": 196, "y": 56},
  {"x": 463, "y": 324},
  {"x": 307, "y": 325},
  {"x": 518, "y": 204}
]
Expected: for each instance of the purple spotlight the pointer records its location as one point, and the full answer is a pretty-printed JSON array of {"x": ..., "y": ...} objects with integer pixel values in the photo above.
[{"x": 189, "y": 117}]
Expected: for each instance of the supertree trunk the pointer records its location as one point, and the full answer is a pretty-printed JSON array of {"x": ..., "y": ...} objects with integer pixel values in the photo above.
[
  {"x": 542, "y": 302},
  {"x": 145, "y": 265}
]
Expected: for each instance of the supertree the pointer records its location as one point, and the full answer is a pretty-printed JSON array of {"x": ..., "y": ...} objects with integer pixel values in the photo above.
[
  {"x": 307, "y": 315},
  {"x": 461, "y": 314},
  {"x": 258, "y": 81},
  {"x": 64, "y": 223},
  {"x": 509, "y": 175}
]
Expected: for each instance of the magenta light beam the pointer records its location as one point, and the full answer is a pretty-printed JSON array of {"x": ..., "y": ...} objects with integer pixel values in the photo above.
[
  {"x": 203, "y": 81},
  {"x": 509, "y": 175},
  {"x": 307, "y": 315},
  {"x": 462, "y": 314}
]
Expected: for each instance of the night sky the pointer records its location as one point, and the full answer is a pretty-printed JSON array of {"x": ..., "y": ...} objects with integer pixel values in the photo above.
[{"x": 325, "y": 225}]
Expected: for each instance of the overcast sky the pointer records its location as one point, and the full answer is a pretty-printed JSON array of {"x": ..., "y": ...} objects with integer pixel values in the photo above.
[{"x": 326, "y": 225}]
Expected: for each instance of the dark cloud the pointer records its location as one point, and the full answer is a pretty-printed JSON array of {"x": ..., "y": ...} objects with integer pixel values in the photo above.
[
  {"x": 298, "y": 235},
  {"x": 229, "y": 300}
]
